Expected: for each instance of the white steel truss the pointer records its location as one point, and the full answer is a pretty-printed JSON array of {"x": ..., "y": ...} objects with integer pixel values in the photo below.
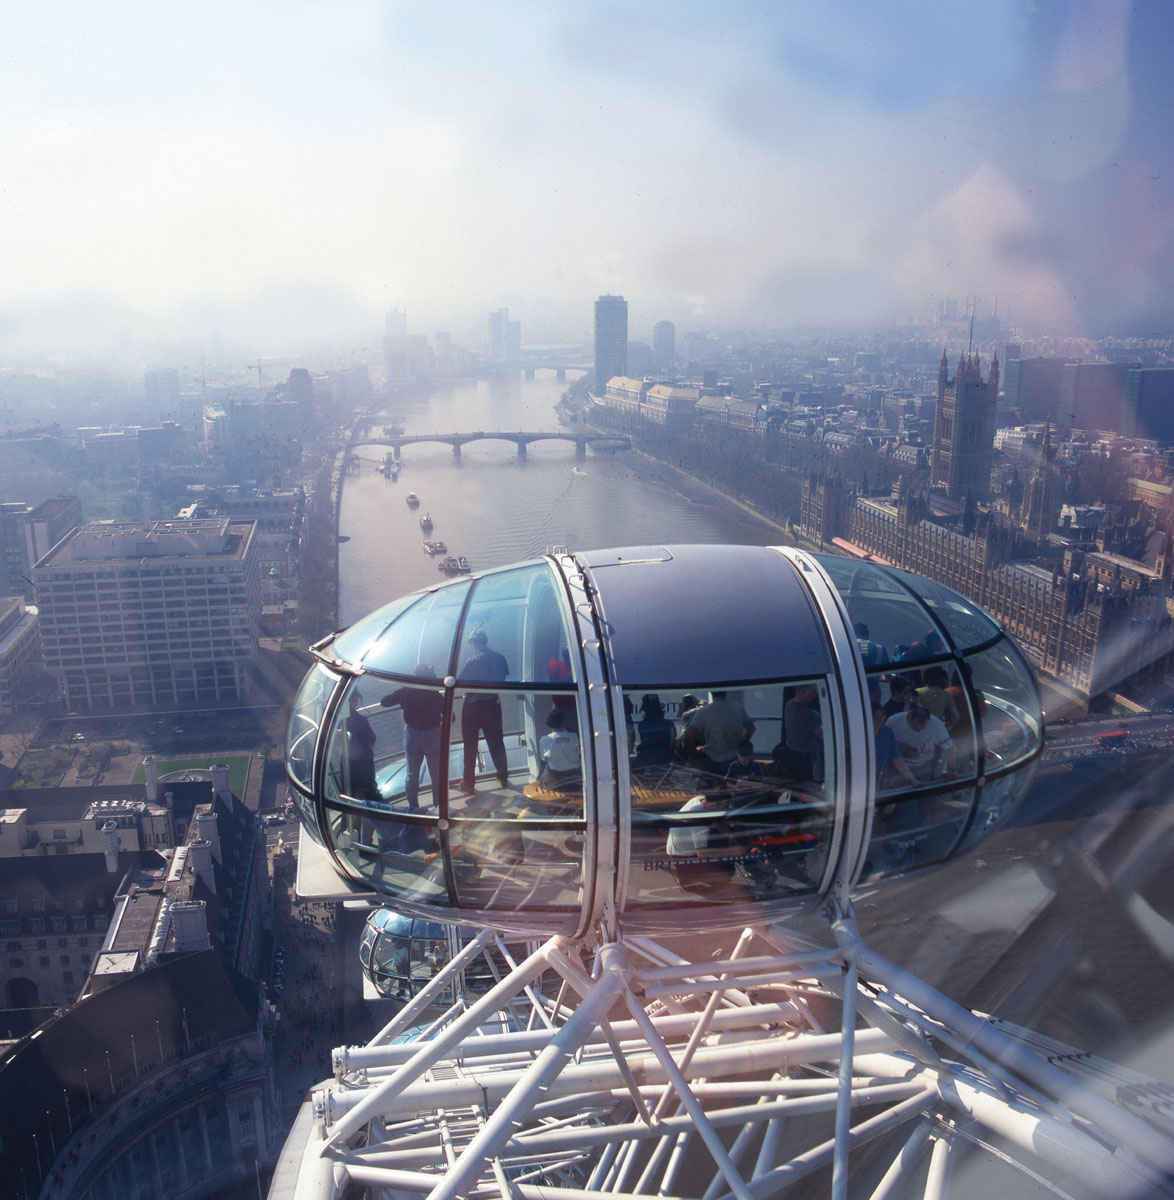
[{"x": 639, "y": 1073}]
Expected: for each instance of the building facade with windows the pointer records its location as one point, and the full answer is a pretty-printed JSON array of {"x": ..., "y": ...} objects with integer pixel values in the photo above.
[
  {"x": 611, "y": 339},
  {"x": 20, "y": 653},
  {"x": 162, "y": 615}
]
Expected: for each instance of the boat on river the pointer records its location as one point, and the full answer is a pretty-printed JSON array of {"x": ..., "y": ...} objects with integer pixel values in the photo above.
[
  {"x": 463, "y": 564},
  {"x": 426, "y": 522},
  {"x": 449, "y": 565},
  {"x": 412, "y": 500},
  {"x": 435, "y": 548}
]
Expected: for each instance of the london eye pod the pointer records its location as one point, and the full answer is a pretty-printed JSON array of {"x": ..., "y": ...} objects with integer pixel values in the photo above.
[
  {"x": 652, "y": 737},
  {"x": 585, "y": 752}
]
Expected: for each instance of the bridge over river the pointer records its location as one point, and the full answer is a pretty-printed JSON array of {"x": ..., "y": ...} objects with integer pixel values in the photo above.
[{"x": 520, "y": 438}]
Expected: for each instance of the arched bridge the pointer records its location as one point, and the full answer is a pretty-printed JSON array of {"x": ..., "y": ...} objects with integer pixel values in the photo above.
[{"x": 521, "y": 439}]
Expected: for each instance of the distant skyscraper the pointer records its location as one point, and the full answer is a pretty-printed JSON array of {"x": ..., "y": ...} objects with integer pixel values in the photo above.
[
  {"x": 499, "y": 324},
  {"x": 964, "y": 428},
  {"x": 611, "y": 339},
  {"x": 162, "y": 388},
  {"x": 664, "y": 345}
]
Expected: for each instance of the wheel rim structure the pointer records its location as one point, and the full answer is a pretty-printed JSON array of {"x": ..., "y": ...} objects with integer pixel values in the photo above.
[{"x": 636, "y": 1072}]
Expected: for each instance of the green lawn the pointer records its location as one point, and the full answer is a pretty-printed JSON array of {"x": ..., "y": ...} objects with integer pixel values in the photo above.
[{"x": 238, "y": 765}]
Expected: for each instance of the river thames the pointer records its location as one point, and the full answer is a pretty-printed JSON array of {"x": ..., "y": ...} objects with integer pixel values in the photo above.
[{"x": 496, "y": 508}]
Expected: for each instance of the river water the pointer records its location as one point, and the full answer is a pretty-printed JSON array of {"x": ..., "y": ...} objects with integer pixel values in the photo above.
[{"x": 496, "y": 508}]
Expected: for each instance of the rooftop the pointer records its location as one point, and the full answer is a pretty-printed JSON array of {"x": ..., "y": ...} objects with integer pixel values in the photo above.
[
  {"x": 1125, "y": 564},
  {"x": 132, "y": 541},
  {"x": 70, "y": 803}
]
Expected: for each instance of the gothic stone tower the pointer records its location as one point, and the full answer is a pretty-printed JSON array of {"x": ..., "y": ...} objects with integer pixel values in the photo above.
[
  {"x": 964, "y": 428},
  {"x": 1041, "y": 500}
]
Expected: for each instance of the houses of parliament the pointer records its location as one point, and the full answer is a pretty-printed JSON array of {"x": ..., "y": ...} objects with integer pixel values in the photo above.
[{"x": 1091, "y": 609}]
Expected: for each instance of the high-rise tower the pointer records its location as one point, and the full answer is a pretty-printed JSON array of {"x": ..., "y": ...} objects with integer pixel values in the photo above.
[
  {"x": 664, "y": 351},
  {"x": 964, "y": 428},
  {"x": 611, "y": 339}
]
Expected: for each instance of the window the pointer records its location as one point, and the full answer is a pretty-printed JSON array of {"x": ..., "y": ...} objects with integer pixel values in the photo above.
[{"x": 730, "y": 792}]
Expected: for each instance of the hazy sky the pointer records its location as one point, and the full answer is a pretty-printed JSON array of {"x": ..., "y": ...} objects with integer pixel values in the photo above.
[{"x": 280, "y": 170}]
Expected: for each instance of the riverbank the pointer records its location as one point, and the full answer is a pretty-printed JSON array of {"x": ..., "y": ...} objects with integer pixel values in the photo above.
[{"x": 698, "y": 490}]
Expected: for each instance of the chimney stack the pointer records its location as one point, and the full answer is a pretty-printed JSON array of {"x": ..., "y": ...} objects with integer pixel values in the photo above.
[
  {"x": 208, "y": 828},
  {"x": 220, "y": 783},
  {"x": 200, "y": 856},
  {"x": 110, "y": 846}
]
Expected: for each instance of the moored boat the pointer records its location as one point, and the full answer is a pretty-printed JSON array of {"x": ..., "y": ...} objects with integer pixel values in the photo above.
[
  {"x": 435, "y": 548},
  {"x": 412, "y": 500},
  {"x": 448, "y": 565},
  {"x": 463, "y": 564},
  {"x": 426, "y": 522}
]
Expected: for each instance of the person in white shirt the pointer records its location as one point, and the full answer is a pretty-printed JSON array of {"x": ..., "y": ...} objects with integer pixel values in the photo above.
[
  {"x": 923, "y": 741},
  {"x": 559, "y": 752}
]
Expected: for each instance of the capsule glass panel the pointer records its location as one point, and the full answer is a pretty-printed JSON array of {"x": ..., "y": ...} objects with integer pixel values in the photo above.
[
  {"x": 352, "y": 643},
  {"x": 397, "y": 855},
  {"x": 306, "y": 716},
  {"x": 998, "y": 800},
  {"x": 516, "y": 827},
  {"x": 419, "y": 643},
  {"x": 732, "y": 793},
  {"x": 912, "y": 829},
  {"x": 924, "y": 730},
  {"x": 1009, "y": 704},
  {"x": 515, "y": 631},
  {"x": 966, "y": 623},
  {"x": 891, "y": 626}
]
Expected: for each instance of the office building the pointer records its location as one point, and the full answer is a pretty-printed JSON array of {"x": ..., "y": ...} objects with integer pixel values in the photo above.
[
  {"x": 1092, "y": 396},
  {"x": 28, "y": 533},
  {"x": 611, "y": 339},
  {"x": 964, "y": 428},
  {"x": 499, "y": 321},
  {"x": 20, "y": 654},
  {"x": 1150, "y": 401},
  {"x": 505, "y": 337},
  {"x": 1032, "y": 385},
  {"x": 162, "y": 615},
  {"x": 664, "y": 346}
]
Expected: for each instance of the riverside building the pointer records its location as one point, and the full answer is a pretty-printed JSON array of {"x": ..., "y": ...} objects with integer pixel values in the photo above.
[{"x": 161, "y": 615}]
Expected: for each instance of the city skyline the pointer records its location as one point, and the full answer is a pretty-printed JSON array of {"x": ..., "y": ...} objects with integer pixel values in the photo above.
[{"x": 823, "y": 165}]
